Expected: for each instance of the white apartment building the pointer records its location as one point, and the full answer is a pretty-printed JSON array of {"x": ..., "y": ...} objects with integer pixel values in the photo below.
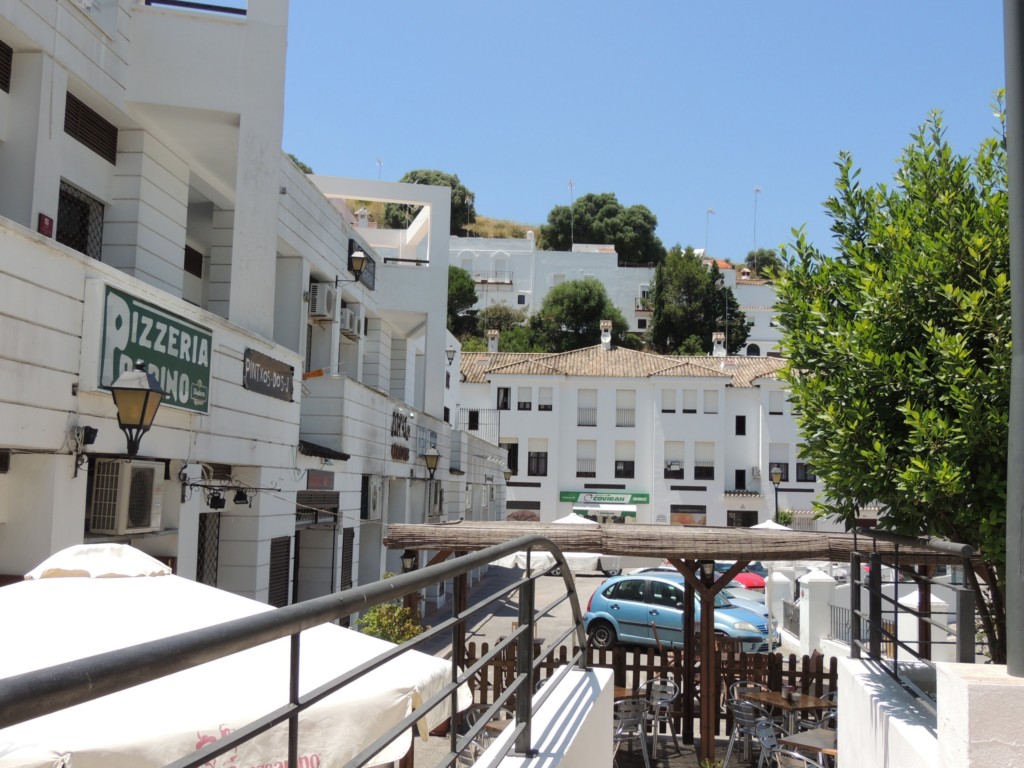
[
  {"x": 658, "y": 439},
  {"x": 148, "y": 212},
  {"x": 514, "y": 272}
]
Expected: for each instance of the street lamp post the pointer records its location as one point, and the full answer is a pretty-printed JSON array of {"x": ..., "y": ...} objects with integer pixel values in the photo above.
[{"x": 776, "y": 475}]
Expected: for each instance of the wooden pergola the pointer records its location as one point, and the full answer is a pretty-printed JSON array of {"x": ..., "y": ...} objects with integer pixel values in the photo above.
[{"x": 685, "y": 547}]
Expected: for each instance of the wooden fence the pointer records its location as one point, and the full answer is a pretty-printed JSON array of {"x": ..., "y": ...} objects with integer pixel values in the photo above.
[{"x": 631, "y": 667}]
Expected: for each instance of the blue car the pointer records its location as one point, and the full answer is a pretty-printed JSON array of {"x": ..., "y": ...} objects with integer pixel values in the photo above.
[{"x": 646, "y": 609}]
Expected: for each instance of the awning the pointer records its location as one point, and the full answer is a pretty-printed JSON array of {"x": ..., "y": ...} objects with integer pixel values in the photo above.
[
  {"x": 609, "y": 510},
  {"x": 307, "y": 448}
]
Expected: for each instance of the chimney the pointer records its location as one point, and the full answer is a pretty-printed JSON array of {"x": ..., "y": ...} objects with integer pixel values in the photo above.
[
  {"x": 492, "y": 340},
  {"x": 718, "y": 339},
  {"x": 606, "y": 334}
]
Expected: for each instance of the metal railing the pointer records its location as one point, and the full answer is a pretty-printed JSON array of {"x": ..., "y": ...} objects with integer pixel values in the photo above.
[
  {"x": 586, "y": 417},
  {"x": 881, "y": 620},
  {"x": 42, "y": 692},
  {"x": 187, "y": 5},
  {"x": 625, "y": 417}
]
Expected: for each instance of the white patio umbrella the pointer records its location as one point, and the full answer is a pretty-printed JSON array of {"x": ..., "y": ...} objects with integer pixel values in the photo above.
[
  {"x": 92, "y": 599},
  {"x": 771, "y": 525}
]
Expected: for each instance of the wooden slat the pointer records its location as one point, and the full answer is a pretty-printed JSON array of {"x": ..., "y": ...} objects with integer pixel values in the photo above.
[{"x": 662, "y": 541}]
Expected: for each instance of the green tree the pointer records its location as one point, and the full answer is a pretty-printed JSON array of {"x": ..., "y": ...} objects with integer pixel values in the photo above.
[
  {"x": 301, "y": 165},
  {"x": 689, "y": 303},
  {"x": 764, "y": 262},
  {"x": 398, "y": 215},
  {"x": 571, "y": 315},
  {"x": 899, "y": 351},
  {"x": 601, "y": 218},
  {"x": 500, "y": 317},
  {"x": 461, "y": 296},
  {"x": 390, "y": 621}
]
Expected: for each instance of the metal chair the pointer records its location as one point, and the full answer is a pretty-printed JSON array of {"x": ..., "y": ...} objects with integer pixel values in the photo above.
[
  {"x": 738, "y": 688},
  {"x": 767, "y": 733},
  {"x": 478, "y": 711},
  {"x": 816, "y": 718},
  {"x": 660, "y": 694},
  {"x": 630, "y": 717},
  {"x": 785, "y": 758},
  {"x": 745, "y": 715}
]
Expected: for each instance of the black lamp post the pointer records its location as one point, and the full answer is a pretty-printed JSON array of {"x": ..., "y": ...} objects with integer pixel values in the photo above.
[
  {"x": 776, "y": 476},
  {"x": 137, "y": 396},
  {"x": 431, "y": 458},
  {"x": 707, "y": 572},
  {"x": 408, "y": 561}
]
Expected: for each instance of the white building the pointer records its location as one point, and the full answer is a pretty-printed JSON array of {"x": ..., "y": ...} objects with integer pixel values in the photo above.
[
  {"x": 653, "y": 438},
  {"x": 148, "y": 212},
  {"x": 514, "y": 272}
]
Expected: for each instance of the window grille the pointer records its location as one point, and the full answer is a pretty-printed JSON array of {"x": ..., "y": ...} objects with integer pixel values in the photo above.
[
  {"x": 537, "y": 464},
  {"x": 193, "y": 261},
  {"x": 208, "y": 549},
  {"x": 624, "y": 469},
  {"x": 280, "y": 561},
  {"x": 80, "y": 221}
]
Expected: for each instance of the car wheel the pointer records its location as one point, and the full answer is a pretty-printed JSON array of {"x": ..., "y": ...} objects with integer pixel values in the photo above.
[
  {"x": 612, "y": 571},
  {"x": 556, "y": 571},
  {"x": 602, "y": 635}
]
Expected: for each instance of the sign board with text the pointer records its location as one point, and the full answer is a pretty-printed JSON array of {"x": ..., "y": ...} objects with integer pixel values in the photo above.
[{"x": 174, "y": 349}]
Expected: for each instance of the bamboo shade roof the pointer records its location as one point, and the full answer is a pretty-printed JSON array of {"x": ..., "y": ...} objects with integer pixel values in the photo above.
[{"x": 680, "y": 541}]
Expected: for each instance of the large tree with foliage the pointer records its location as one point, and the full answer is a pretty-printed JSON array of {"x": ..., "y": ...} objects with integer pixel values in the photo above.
[
  {"x": 899, "y": 351},
  {"x": 461, "y": 296},
  {"x": 688, "y": 303},
  {"x": 764, "y": 262},
  {"x": 601, "y": 218},
  {"x": 398, "y": 215},
  {"x": 571, "y": 315}
]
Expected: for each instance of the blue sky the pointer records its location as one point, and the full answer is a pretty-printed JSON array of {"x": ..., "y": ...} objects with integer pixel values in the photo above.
[{"x": 679, "y": 106}]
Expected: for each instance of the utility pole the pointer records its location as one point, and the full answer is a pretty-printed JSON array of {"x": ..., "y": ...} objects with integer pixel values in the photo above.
[
  {"x": 572, "y": 234},
  {"x": 757, "y": 191},
  {"x": 707, "y": 223},
  {"x": 1013, "y": 31}
]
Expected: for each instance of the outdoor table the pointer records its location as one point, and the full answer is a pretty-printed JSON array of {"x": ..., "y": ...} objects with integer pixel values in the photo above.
[
  {"x": 773, "y": 700},
  {"x": 622, "y": 692},
  {"x": 820, "y": 740}
]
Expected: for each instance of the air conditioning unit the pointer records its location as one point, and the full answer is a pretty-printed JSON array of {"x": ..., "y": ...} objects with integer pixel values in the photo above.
[
  {"x": 322, "y": 301},
  {"x": 671, "y": 465},
  {"x": 755, "y": 473},
  {"x": 127, "y": 497},
  {"x": 348, "y": 323},
  {"x": 376, "y": 500}
]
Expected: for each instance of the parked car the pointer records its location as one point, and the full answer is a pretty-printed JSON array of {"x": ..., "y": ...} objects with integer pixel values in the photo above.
[
  {"x": 747, "y": 577},
  {"x": 738, "y": 598},
  {"x": 646, "y": 609}
]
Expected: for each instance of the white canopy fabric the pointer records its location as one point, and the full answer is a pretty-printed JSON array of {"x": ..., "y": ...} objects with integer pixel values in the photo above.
[
  {"x": 771, "y": 525},
  {"x": 578, "y": 561},
  {"x": 62, "y": 619}
]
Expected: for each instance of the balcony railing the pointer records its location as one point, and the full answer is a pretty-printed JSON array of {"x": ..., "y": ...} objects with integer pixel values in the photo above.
[
  {"x": 42, "y": 692},
  {"x": 500, "y": 276},
  {"x": 586, "y": 417},
  {"x": 881, "y": 617},
  {"x": 586, "y": 467},
  {"x": 625, "y": 417}
]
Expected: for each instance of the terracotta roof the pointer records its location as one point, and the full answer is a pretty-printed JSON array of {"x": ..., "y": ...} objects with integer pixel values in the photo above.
[{"x": 617, "y": 362}]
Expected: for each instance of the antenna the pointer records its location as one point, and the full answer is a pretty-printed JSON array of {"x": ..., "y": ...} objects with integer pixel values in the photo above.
[
  {"x": 380, "y": 164},
  {"x": 572, "y": 234}
]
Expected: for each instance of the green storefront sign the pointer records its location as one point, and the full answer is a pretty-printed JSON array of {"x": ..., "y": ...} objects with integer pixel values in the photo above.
[
  {"x": 175, "y": 350},
  {"x": 595, "y": 497}
]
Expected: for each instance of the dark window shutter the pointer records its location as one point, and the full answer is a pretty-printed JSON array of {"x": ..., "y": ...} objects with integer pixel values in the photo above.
[
  {"x": 86, "y": 125},
  {"x": 6, "y": 60},
  {"x": 193, "y": 262},
  {"x": 280, "y": 557}
]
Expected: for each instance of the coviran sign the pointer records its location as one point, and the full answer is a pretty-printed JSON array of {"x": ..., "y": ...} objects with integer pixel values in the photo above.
[{"x": 175, "y": 350}]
